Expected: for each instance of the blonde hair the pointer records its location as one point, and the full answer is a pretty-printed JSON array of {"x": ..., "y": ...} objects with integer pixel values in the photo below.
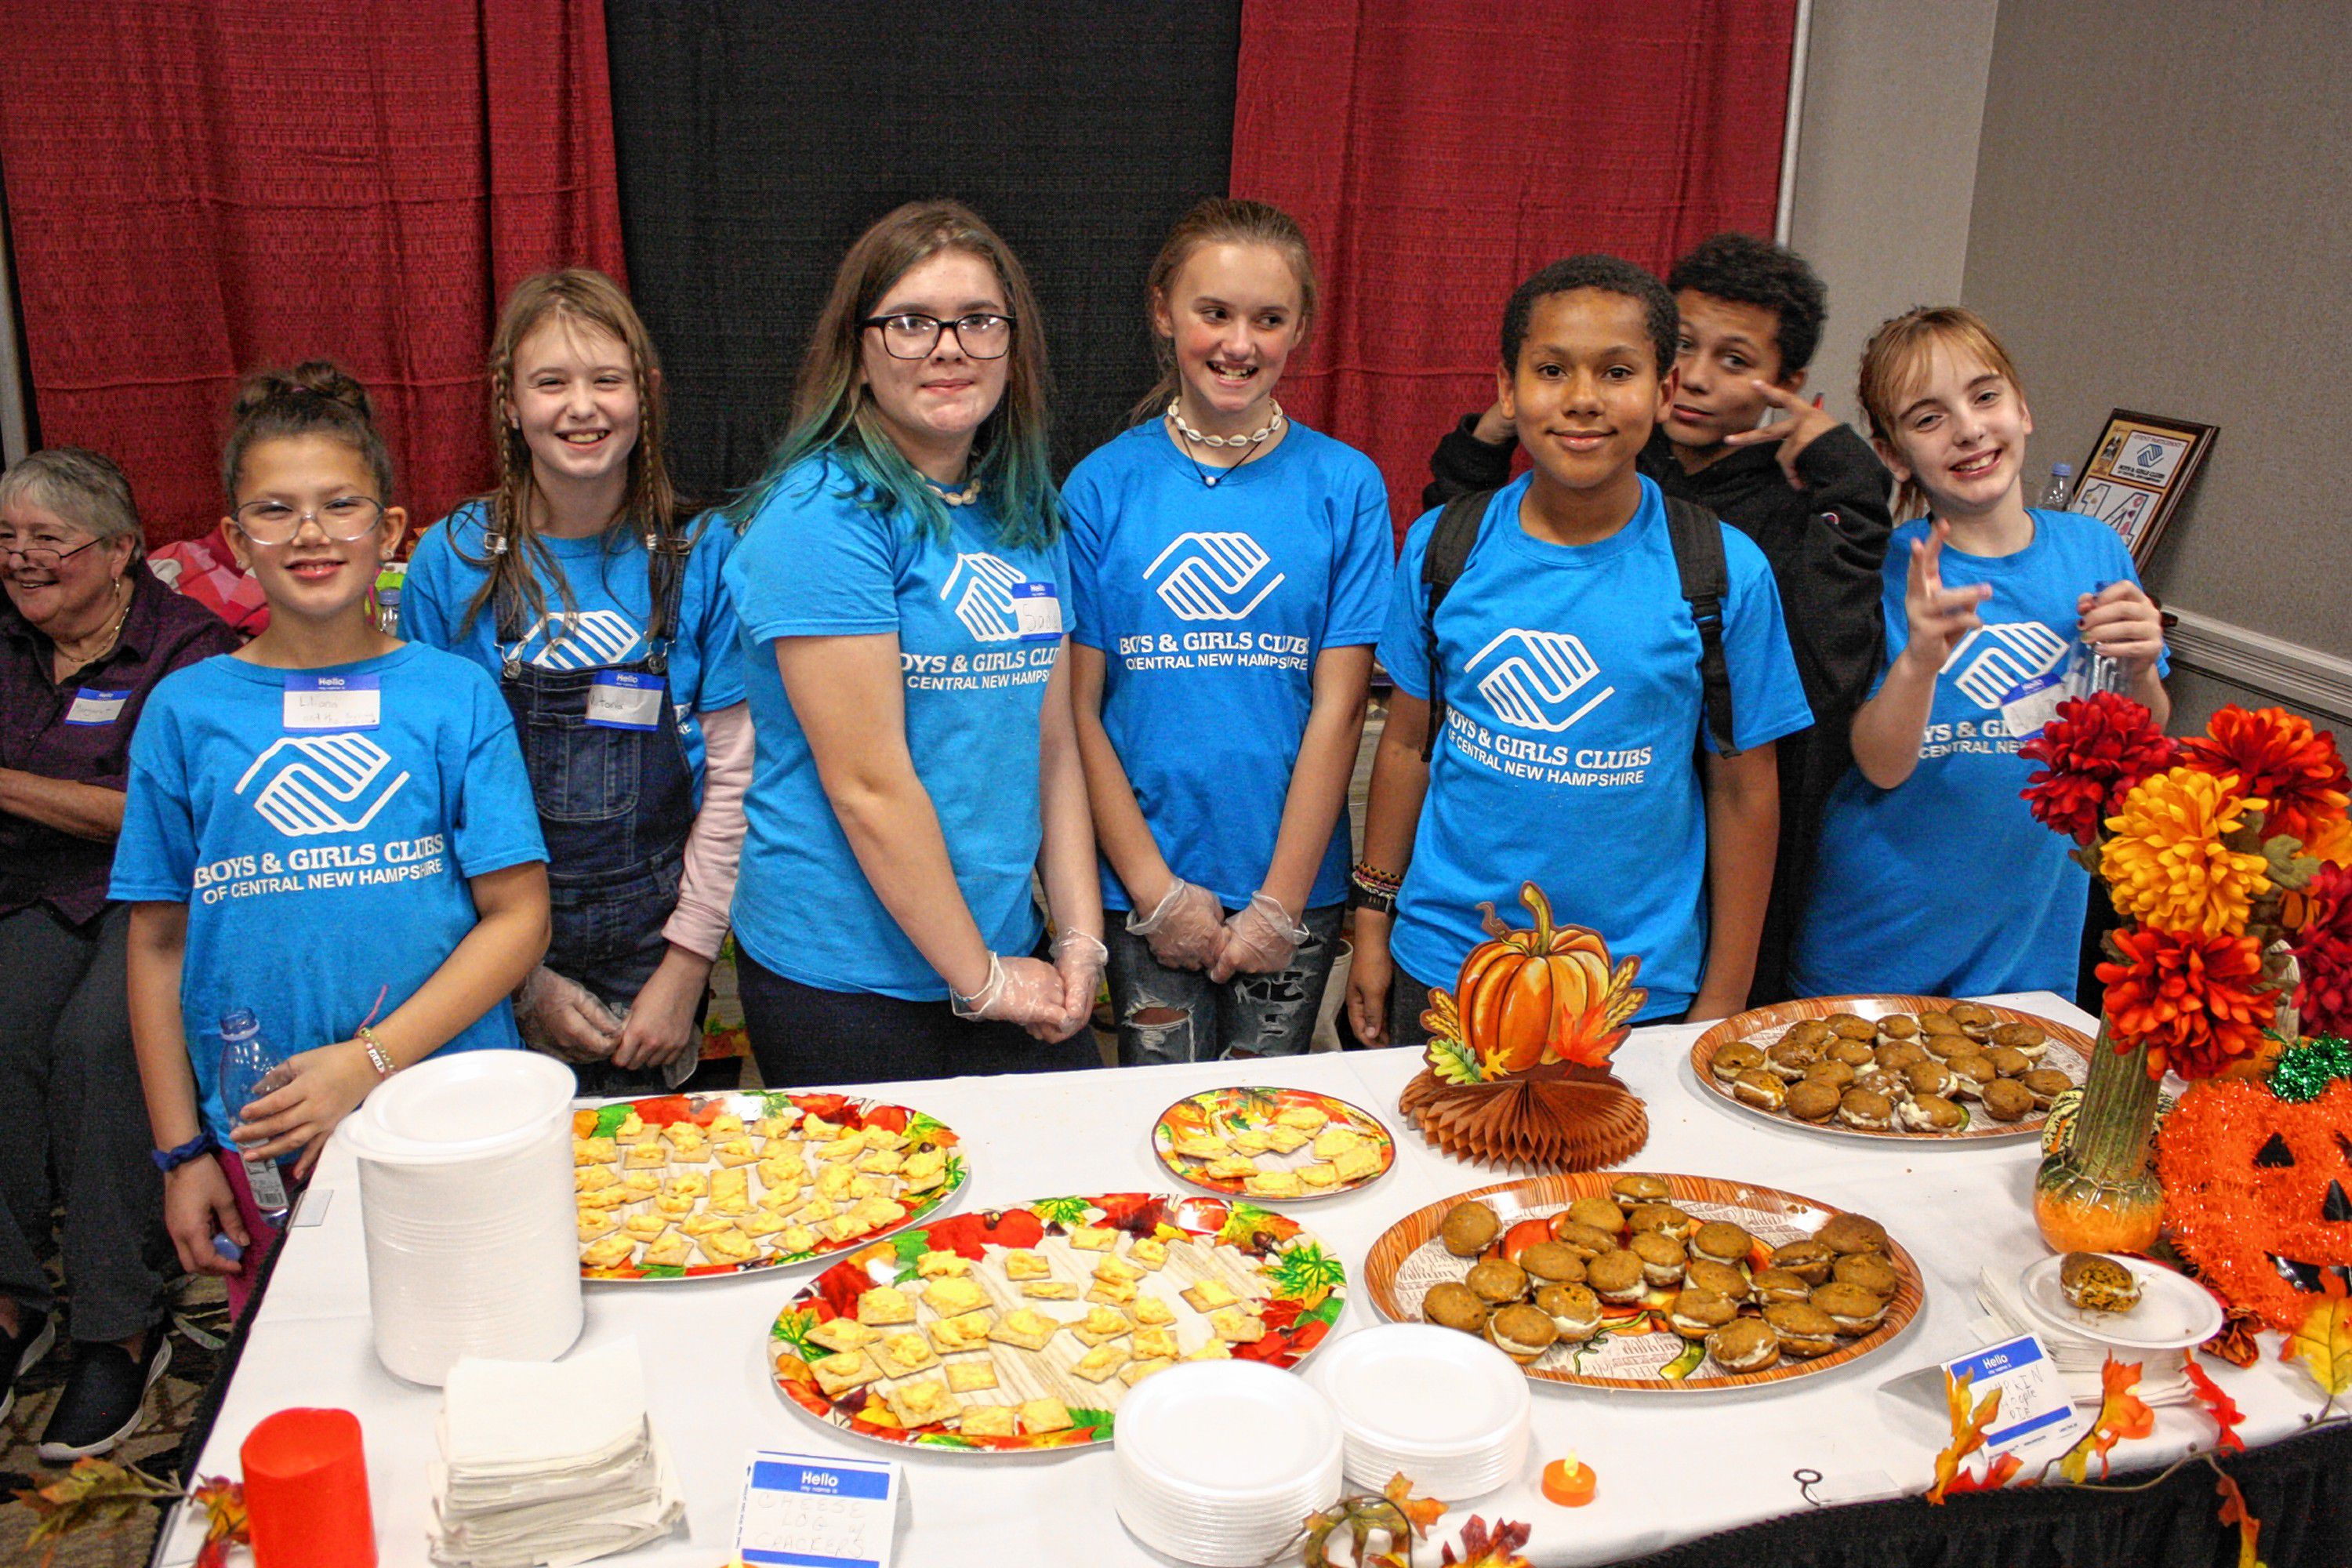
[
  {"x": 1895, "y": 360},
  {"x": 1218, "y": 220},
  {"x": 649, "y": 505}
]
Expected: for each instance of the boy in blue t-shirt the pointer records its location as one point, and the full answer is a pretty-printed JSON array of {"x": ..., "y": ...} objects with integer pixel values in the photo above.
[{"x": 1570, "y": 666}]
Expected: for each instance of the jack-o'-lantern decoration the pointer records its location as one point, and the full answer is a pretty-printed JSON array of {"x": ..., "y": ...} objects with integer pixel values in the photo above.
[
  {"x": 1529, "y": 998},
  {"x": 2258, "y": 1194},
  {"x": 1518, "y": 1051}
]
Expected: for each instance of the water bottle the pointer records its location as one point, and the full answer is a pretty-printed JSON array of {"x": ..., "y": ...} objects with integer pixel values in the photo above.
[
  {"x": 2061, "y": 487},
  {"x": 251, "y": 1067}
]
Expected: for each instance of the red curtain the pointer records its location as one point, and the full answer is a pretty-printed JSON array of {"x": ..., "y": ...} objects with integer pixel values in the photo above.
[
  {"x": 198, "y": 191},
  {"x": 1439, "y": 150}
]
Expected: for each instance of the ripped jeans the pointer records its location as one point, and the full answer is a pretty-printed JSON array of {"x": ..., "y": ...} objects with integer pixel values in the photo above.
[{"x": 1178, "y": 1016}]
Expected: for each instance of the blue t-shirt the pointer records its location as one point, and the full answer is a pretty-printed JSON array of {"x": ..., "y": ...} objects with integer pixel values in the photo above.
[
  {"x": 611, "y": 603},
  {"x": 320, "y": 865},
  {"x": 1211, "y": 607},
  {"x": 978, "y": 628},
  {"x": 1945, "y": 885},
  {"x": 1573, "y": 715}
]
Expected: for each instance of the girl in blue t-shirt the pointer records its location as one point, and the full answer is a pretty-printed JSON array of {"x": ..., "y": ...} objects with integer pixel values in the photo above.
[
  {"x": 328, "y": 828},
  {"x": 901, "y": 582},
  {"x": 1933, "y": 878},
  {"x": 603, "y": 615},
  {"x": 1229, "y": 576}
]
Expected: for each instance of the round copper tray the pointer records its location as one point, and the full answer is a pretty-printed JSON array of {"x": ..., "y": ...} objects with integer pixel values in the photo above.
[
  {"x": 1408, "y": 1259},
  {"x": 2069, "y": 1052}
]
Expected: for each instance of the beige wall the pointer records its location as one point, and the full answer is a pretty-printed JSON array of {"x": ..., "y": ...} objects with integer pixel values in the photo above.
[
  {"x": 1887, "y": 163},
  {"x": 2163, "y": 220}
]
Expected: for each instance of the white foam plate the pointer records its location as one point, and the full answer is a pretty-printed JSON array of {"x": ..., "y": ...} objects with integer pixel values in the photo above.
[
  {"x": 462, "y": 1106},
  {"x": 2174, "y": 1311},
  {"x": 1234, "y": 1433},
  {"x": 1410, "y": 1388}
]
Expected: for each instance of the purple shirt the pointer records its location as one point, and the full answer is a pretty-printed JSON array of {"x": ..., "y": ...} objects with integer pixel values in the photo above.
[{"x": 73, "y": 729}]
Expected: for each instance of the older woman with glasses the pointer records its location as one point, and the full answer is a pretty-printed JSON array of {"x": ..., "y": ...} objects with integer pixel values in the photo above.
[{"x": 85, "y": 635}]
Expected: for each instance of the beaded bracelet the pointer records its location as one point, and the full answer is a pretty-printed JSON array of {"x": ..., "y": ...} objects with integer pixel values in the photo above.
[
  {"x": 378, "y": 1058},
  {"x": 1372, "y": 879}
]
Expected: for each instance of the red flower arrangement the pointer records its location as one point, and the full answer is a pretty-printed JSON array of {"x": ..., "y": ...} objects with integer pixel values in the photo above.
[
  {"x": 2097, "y": 748},
  {"x": 2198, "y": 1002},
  {"x": 2323, "y": 950},
  {"x": 2278, "y": 759}
]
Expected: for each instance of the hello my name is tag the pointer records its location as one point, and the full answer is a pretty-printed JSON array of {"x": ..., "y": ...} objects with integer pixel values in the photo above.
[
  {"x": 333, "y": 702},
  {"x": 94, "y": 706},
  {"x": 624, "y": 700}
]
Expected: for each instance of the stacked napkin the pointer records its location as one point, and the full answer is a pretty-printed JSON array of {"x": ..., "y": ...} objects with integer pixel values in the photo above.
[
  {"x": 2163, "y": 1380},
  {"x": 548, "y": 1463}
]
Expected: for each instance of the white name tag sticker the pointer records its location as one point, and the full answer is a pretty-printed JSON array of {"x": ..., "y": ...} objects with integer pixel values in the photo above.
[
  {"x": 817, "y": 1511},
  {"x": 2028, "y": 707},
  {"x": 93, "y": 706},
  {"x": 1036, "y": 612},
  {"x": 2036, "y": 1420},
  {"x": 333, "y": 702},
  {"x": 623, "y": 700}
]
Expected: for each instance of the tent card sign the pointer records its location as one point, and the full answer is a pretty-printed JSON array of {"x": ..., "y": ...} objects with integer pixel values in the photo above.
[{"x": 805, "y": 1509}]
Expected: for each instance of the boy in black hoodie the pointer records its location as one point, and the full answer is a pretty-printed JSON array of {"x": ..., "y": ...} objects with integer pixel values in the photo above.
[{"x": 1807, "y": 490}]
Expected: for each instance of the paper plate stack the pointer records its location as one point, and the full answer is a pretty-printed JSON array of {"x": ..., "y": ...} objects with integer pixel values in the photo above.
[
  {"x": 1219, "y": 1461},
  {"x": 1450, "y": 1411},
  {"x": 466, "y": 1198}
]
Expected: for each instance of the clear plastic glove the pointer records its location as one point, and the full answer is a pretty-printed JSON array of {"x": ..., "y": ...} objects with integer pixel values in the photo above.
[
  {"x": 1187, "y": 928},
  {"x": 1080, "y": 959},
  {"x": 561, "y": 1017},
  {"x": 1259, "y": 940},
  {"x": 1024, "y": 990}
]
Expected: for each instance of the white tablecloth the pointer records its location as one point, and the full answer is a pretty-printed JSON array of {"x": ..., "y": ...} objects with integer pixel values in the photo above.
[{"x": 1956, "y": 1207}]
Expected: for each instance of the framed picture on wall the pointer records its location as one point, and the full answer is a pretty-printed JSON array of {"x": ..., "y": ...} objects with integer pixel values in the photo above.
[{"x": 2139, "y": 469}]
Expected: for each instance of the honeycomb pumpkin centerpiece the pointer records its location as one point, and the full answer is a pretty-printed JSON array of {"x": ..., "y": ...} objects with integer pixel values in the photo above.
[
  {"x": 1518, "y": 1051},
  {"x": 1531, "y": 999}
]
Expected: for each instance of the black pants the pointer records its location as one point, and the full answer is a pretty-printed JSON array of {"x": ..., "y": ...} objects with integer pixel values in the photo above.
[
  {"x": 77, "y": 1126},
  {"x": 802, "y": 1035}
]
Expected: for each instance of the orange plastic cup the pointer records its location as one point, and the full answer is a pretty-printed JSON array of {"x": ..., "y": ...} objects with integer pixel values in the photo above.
[{"x": 306, "y": 1491}]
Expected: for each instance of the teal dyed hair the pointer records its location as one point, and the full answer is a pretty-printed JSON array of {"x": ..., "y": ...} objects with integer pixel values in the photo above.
[{"x": 833, "y": 416}]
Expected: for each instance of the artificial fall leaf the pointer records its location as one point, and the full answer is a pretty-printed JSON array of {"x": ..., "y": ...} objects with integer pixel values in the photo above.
[
  {"x": 225, "y": 1523},
  {"x": 1997, "y": 1475},
  {"x": 2239, "y": 1342},
  {"x": 1967, "y": 1432},
  {"x": 2223, "y": 1409},
  {"x": 1484, "y": 1549},
  {"x": 2324, "y": 1343},
  {"x": 2121, "y": 1414},
  {"x": 2233, "y": 1512},
  {"x": 1419, "y": 1511},
  {"x": 95, "y": 1492}
]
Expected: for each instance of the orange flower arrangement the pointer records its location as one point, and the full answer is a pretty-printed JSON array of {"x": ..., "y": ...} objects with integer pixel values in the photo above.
[{"x": 2210, "y": 862}]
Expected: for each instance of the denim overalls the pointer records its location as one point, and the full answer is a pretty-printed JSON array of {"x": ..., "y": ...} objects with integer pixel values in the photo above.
[{"x": 615, "y": 805}]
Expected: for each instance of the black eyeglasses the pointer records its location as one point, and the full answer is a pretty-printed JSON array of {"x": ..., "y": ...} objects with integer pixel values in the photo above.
[
  {"x": 914, "y": 336},
  {"x": 43, "y": 557}
]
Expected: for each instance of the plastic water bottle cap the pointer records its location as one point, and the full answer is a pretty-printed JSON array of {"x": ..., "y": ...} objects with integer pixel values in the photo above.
[
  {"x": 238, "y": 1022},
  {"x": 2062, "y": 470},
  {"x": 228, "y": 1249}
]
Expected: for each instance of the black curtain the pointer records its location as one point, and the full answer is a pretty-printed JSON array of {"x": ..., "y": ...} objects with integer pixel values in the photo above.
[{"x": 757, "y": 138}]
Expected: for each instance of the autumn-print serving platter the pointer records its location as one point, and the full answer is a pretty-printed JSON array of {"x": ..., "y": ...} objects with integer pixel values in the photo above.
[
  {"x": 1021, "y": 1329},
  {"x": 1958, "y": 1028},
  {"x": 1636, "y": 1349},
  {"x": 1280, "y": 1144},
  {"x": 688, "y": 1187}
]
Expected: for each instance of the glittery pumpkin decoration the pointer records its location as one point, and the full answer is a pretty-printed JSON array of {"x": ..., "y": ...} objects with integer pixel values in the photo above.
[{"x": 2258, "y": 1193}]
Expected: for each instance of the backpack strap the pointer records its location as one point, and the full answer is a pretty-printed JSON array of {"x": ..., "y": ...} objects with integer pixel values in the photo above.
[
  {"x": 1697, "y": 540},
  {"x": 1450, "y": 540}
]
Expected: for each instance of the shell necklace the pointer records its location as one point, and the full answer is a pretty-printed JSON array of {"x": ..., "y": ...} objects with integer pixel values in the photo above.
[{"x": 1255, "y": 440}]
